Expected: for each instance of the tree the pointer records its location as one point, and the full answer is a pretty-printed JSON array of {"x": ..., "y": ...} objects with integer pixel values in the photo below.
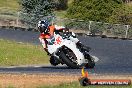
[
  {"x": 122, "y": 15},
  {"x": 95, "y": 10},
  {"x": 34, "y": 10},
  {"x": 61, "y": 4},
  {"x": 127, "y": 1}
]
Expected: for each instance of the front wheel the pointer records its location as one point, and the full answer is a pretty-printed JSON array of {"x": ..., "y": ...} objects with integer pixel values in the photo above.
[{"x": 69, "y": 62}]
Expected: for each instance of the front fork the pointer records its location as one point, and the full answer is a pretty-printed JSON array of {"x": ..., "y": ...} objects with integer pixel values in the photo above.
[{"x": 85, "y": 53}]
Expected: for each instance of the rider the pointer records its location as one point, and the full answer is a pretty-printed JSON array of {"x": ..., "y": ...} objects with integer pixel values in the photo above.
[{"x": 47, "y": 32}]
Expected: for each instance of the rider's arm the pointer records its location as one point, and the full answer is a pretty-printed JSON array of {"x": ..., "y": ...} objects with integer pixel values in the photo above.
[{"x": 43, "y": 42}]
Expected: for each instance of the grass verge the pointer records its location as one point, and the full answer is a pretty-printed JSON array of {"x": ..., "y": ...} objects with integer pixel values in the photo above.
[
  {"x": 77, "y": 85},
  {"x": 9, "y": 4},
  {"x": 14, "y": 54}
]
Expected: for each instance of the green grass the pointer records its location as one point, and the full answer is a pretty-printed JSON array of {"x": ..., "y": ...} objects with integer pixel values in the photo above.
[
  {"x": 60, "y": 13},
  {"x": 9, "y": 9},
  {"x": 9, "y": 4},
  {"x": 13, "y": 53},
  {"x": 77, "y": 85}
]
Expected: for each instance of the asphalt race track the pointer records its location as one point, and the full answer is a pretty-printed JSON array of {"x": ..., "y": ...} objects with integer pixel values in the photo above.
[{"x": 115, "y": 55}]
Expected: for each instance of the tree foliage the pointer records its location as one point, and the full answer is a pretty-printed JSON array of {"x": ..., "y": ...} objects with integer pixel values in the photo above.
[
  {"x": 122, "y": 15},
  {"x": 61, "y": 4},
  {"x": 34, "y": 10},
  {"x": 95, "y": 10}
]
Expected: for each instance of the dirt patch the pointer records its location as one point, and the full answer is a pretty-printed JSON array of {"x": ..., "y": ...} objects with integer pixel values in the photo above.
[
  {"x": 32, "y": 81},
  {"x": 35, "y": 80}
]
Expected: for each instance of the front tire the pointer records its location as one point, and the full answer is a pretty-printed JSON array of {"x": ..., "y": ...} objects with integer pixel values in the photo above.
[{"x": 67, "y": 61}]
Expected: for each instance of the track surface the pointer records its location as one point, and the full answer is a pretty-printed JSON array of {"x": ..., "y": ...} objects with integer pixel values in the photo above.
[{"x": 115, "y": 56}]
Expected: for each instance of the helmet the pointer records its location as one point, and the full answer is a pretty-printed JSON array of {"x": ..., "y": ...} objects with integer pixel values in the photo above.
[{"x": 43, "y": 26}]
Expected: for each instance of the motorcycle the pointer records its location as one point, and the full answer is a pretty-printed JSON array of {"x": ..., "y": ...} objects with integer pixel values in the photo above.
[{"x": 65, "y": 51}]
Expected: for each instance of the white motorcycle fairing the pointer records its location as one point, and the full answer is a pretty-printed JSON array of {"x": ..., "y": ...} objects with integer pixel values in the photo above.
[{"x": 57, "y": 42}]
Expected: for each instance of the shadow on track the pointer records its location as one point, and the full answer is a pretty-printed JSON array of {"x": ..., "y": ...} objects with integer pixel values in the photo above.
[
  {"x": 99, "y": 69},
  {"x": 39, "y": 69}
]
